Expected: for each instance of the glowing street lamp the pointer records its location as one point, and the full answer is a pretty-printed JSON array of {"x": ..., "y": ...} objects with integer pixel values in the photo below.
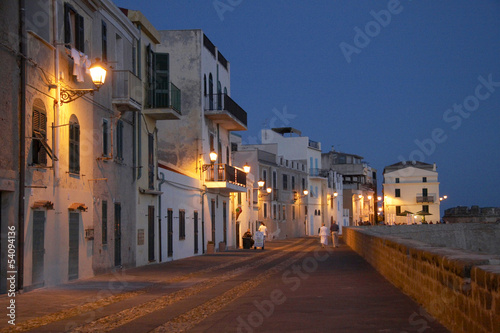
[
  {"x": 246, "y": 168},
  {"x": 260, "y": 183}
]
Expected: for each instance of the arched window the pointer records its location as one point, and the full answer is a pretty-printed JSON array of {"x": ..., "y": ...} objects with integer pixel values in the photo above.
[
  {"x": 74, "y": 145},
  {"x": 39, "y": 153},
  {"x": 205, "y": 85},
  {"x": 211, "y": 91},
  {"x": 219, "y": 96}
]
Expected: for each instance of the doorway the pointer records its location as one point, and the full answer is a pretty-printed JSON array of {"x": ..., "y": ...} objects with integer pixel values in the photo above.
[
  {"x": 74, "y": 227},
  {"x": 118, "y": 234},
  {"x": 38, "y": 254}
]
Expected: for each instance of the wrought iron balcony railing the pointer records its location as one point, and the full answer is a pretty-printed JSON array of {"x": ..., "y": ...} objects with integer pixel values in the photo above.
[{"x": 225, "y": 173}]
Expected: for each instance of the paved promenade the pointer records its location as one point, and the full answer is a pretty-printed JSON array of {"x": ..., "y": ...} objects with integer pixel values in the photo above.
[{"x": 292, "y": 286}]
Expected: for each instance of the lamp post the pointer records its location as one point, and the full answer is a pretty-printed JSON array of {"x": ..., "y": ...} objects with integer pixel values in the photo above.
[{"x": 98, "y": 75}]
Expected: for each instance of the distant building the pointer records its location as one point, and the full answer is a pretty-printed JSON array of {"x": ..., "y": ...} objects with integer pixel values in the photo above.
[
  {"x": 359, "y": 185},
  {"x": 320, "y": 182},
  {"x": 282, "y": 207},
  {"x": 474, "y": 214},
  {"x": 411, "y": 193}
]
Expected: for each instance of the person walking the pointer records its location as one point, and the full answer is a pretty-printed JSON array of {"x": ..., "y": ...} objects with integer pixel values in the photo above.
[
  {"x": 263, "y": 229},
  {"x": 323, "y": 233},
  {"x": 334, "y": 229}
]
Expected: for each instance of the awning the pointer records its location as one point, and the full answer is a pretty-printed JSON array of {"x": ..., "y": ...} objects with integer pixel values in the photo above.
[
  {"x": 79, "y": 206},
  {"x": 43, "y": 204}
]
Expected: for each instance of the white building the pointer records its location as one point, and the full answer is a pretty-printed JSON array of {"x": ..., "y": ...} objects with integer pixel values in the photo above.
[
  {"x": 411, "y": 190},
  {"x": 196, "y": 204},
  {"x": 280, "y": 202},
  {"x": 292, "y": 146}
]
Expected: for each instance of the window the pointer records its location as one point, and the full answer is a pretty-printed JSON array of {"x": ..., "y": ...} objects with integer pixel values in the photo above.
[
  {"x": 104, "y": 222},
  {"x": 105, "y": 139},
  {"x": 398, "y": 193},
  {"x": 319, "y": 212},
  {"x": 119, "y": 139},
  {"x": 264, "y": 177},
  {"x": 39, "y": 142},
  {"x": 284, "y": 212},
  {"x": 74, "y": 35},
  {"x": 74, "y": 145},
  {"x": 182, "y": 224},
  {"x": 285, "y": 182},
  {"x": 274, "y": 212},
  {"x": 151, "y": 162},
  {"x": 293, "y": 212},
  {"x": 265, "y": 210},
  {"x": 275, "y": 180},
  {"x": 424, "y": 179},
  {"x": 205, "y": 85},
  {"x": 303, "y": 184},
  {"x": 425, "y": 208},
  {"x": 425, "y": 192},
  {"x": 211, "y": 91},
  {"x": 158, "y": 78},
  {"x": 293, "y": 183},
  {"x": 234, "y": 146},
  {"x": 398, "y": 210},
  {"x": 397, "y": 180},
  {"x": 219, "y": 96},
  {"x": 104, "y": 39}
]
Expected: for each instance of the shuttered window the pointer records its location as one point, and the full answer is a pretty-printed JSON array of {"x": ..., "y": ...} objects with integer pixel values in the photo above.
[
  {"x": 74, "y": 30},
  {"x": 158, "y": 79},
  {"x": 74, "y": 145},
  {"x": 39, "y": 153}
]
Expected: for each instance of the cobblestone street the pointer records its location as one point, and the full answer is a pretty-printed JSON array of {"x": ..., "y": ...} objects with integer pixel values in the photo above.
[{"x": 293, "y": 286}]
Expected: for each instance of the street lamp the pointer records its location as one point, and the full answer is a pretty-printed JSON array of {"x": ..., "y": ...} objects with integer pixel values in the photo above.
[
  {"x": 269, "y": 190},
  {"x": 306, "y": 192},
  {"x": 261, "y": 183},
  {"x": 213, "y": 158},
  {"x": 246, "y": 168},
  {"x": 98, "y": 75},
  {"x": 335, "y": 194}
]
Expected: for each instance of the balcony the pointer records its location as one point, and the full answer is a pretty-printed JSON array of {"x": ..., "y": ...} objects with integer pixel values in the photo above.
[
  {"x": 314, "y": 144},
  {"x": 425, "y": 199},
  {"x": 223, "y": 110},
  {"x": 164, "y": 104},
  {"x": 226, "y": 178},
  {"x": 127, "y": 91}
]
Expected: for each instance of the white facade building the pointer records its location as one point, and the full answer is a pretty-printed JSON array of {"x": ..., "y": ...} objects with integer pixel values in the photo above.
[{"x": 411, "y": 191}]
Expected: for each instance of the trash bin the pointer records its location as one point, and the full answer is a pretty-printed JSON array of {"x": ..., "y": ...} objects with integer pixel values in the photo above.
[{"x": 247, "y": 242}]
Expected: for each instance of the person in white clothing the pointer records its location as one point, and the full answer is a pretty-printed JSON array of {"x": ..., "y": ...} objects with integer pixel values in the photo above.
[
  {"x": 323, "y": 233},
  {"x": 263, "y": 229}
]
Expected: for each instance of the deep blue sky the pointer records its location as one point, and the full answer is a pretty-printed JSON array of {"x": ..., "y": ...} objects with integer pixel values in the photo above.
[{"x": 286, "y": 59}]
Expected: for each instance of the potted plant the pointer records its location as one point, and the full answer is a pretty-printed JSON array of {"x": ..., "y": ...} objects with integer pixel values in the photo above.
[{"x": 210, "y": 247}]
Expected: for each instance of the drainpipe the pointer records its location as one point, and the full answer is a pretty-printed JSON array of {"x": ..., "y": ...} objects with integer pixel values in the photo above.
[
  {"x": 22, "y": 146},
  {"x": 204, "y": 192},
  {"x": 162, "y": 180}
]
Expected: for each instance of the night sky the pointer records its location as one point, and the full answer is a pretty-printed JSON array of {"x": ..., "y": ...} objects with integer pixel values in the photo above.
[{"x": 387, "y": 80}]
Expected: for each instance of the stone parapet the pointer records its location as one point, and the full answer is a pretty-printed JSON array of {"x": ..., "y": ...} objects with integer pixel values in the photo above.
[{"x": 458, "y": 288}]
